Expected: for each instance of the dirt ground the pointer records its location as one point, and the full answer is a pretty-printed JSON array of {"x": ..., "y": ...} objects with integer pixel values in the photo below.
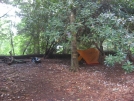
[{"x": 52, "y": 81}]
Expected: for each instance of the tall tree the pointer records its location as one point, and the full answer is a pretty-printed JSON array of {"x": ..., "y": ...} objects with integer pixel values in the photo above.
[{"x": 74, "y": 55}]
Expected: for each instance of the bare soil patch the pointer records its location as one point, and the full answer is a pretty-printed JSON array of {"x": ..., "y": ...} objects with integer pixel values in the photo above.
[{"x": 52, "y": 81}]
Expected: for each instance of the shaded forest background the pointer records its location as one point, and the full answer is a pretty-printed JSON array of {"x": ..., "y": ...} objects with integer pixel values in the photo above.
[{"x": 47, "y": 27}]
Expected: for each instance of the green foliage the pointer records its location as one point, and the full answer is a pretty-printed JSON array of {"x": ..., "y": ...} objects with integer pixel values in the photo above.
[
  {"x": 59, "y": 49},
  {"x": 49, "y": 19},
  {"x": 132, "y": 50},
  {"x": 4, "y": 29},
  {"x": 110, "y": 60},
  {"x": 128, "y": 67}
]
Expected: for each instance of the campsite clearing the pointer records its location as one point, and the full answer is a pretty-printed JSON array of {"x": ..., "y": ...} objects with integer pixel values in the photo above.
[{"x": 52, "y": 81}]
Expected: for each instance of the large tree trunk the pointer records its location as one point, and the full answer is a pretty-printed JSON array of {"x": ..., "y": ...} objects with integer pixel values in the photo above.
[{"x": 74, "y": 56}]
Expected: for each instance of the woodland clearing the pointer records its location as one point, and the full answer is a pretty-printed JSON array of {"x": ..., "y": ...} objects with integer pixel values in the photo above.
[{"x": 51, "y": 80}]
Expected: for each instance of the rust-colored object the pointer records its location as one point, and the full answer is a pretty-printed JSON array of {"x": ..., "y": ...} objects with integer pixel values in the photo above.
[{"x": 90, "y": 55}]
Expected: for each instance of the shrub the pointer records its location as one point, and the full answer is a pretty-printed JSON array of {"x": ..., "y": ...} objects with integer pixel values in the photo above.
[
  {"x": 128, "y": 67},
  {"x": 111, "y": 60}
]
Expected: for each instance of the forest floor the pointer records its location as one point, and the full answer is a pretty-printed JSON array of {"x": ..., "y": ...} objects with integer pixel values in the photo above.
[{"x": 52, "y": 81}]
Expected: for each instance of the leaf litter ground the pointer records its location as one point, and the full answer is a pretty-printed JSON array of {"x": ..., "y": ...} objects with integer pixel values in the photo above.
[{"x": 52, "y": 81}]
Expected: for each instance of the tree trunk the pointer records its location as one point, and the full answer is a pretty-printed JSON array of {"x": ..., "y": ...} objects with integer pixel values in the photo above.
[
  {"x": 12, "y": 45},
  {"x": 102, "y": 53},
  {"x": 27, "y": 46},
  {"x": 38, "y": 42},
  {"x": 74, "y": 56},
  {"x": 34, "y": 41}
]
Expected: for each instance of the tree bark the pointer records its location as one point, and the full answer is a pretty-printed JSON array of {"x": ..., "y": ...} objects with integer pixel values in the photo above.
[
  {"x": 27, "y": 46},
  {"x": 12, "y": 45},
  {"x": 102, "y": 53},
  {"x": 38, "y": 42},
  {"x": 74, "y": 56}
]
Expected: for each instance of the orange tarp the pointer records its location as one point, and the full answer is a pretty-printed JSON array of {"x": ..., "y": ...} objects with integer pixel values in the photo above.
[{"x": 90, "y": 55}]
